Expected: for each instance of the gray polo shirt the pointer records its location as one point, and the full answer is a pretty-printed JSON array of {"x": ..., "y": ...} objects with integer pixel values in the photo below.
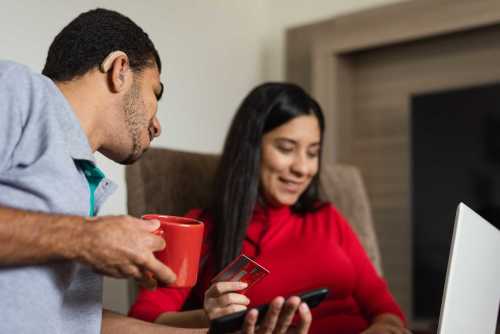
[{"x": 46, "y": 165}]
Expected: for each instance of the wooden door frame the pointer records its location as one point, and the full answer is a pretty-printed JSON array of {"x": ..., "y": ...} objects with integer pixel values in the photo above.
[{"x": 317, "y": 54}]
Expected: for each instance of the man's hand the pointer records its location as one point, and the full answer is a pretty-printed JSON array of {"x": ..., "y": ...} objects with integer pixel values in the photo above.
[
  {"x": 279, "y": 318},
  {"x": 118, "y": 246},
  {"x": 122, "y": 247}
]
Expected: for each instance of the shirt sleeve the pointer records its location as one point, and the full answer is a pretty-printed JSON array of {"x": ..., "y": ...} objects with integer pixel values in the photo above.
[
  {"x": 151, "y": 304},
  {"x": 371, "y": 291},
  {"x": 15, "y": 83}
]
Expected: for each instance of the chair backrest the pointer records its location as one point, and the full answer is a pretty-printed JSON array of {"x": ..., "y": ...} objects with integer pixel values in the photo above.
[{"x": 172, "y": 182}]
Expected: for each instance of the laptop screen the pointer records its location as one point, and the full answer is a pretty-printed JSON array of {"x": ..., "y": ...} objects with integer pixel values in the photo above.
[{"x": 472, "y": 289}]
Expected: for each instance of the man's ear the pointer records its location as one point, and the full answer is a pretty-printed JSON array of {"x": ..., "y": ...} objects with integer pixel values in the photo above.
[{"x": 116, "y": 66}]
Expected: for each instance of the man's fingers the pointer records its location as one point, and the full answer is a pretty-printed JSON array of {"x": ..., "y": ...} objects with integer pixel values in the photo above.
[
  {"x": 250, "y": 322},
  {"x": 147, "y": 280},
  {"x": 305, "y": 319},
  {"x": 272, "y": 316},
  {"x": 161, "y": 272},
  {"x": 131, "y": 271},
  {"x": 111, "y": 272},
  {"x": 156, "y": 243},
  {"x": 149, "y": 225},
  {"x": 148, "y": 283},
  {"x": 287, "y": 314}
]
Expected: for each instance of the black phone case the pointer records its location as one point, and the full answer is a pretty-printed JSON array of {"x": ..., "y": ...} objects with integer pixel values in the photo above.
[{"x": 233, "y": 322}]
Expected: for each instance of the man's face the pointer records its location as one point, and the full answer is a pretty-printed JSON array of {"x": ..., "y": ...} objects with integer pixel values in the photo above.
[{"x": 140, "y": 105}]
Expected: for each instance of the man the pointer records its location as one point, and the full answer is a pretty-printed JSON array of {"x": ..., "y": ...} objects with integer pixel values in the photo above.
[{"x": 99, "y": 92}]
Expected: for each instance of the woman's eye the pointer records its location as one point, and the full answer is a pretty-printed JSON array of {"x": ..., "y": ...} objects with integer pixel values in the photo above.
[
  {"x": 313, "y": 154},
  {"x": 285, "y": 149}
]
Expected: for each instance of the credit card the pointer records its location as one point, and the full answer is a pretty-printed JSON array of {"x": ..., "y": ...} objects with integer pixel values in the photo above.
[{"x": 242, "y": 269}]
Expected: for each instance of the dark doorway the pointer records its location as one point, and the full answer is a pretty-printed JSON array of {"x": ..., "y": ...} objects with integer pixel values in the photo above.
[{"x": 455, "y": 157}]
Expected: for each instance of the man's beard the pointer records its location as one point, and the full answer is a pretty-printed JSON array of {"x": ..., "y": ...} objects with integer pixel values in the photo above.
[
  {"x": 132, "y": 158},
  {"x": 135, "y": 111}
]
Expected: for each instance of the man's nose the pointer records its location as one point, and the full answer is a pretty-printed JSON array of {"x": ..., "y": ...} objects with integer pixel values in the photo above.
[{"x": 156, "y": 127}]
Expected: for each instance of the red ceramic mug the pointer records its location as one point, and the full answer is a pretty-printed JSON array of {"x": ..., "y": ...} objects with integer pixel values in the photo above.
[{"x": 183, "y": 237}]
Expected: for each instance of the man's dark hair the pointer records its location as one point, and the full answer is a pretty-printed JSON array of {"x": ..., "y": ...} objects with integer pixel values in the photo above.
[{"x": 84, "y": 43}]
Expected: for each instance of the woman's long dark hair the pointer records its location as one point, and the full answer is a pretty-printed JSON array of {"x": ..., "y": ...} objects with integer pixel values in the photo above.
[{"x": 238, "y": 175}]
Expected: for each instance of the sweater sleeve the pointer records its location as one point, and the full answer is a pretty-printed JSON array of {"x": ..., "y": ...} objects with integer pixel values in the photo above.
[
  {"x": 151, "y": 304},
  {"x": 371, "y": 291}
]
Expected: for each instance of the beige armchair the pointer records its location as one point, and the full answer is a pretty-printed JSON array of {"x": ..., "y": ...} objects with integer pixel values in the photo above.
[{"x": 172, "y": 182}]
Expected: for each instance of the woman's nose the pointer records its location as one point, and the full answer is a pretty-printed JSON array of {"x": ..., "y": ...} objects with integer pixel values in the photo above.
[{"x": 299, "y": 165}]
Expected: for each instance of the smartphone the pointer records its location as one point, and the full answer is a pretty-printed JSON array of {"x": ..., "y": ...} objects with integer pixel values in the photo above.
[{"x": 234, "y": 321}]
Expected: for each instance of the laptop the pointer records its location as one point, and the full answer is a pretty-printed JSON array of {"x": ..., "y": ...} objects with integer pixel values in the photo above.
[{"x": 472, "y": 290}]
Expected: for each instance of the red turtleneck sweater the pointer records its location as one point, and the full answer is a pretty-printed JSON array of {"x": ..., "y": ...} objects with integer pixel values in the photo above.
[{"x": 302, "y": 252}]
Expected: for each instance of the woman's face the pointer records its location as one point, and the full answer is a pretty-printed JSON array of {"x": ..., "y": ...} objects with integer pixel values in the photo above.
[{"x": 290, "y": 159}]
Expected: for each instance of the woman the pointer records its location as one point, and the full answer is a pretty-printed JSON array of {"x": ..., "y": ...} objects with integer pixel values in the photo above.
[{"x": 266, "y": 206}]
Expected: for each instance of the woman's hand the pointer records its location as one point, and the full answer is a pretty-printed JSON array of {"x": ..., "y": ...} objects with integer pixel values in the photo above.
[
  {"x": 221, "y": 299},
  {"x": 278, "y": 319},
  {"x": 387, "y": 324}
]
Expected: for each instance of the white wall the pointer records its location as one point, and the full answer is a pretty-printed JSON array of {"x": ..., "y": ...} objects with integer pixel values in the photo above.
[{"x": 213, "y": 53}]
